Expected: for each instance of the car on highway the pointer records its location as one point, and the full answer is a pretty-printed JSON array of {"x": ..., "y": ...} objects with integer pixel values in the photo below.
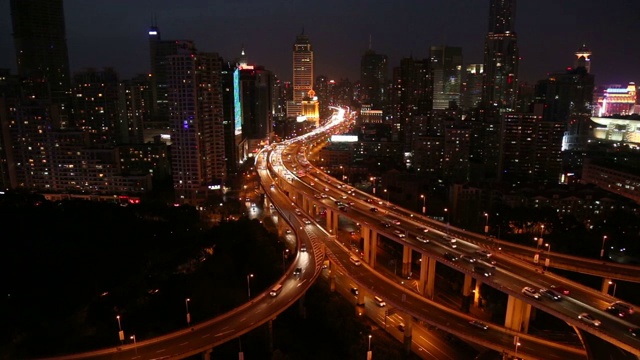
[
  {"x": 589, "y": 319},
  {"x": 422, "y": 229},
  {"x": 551, "y": 294},
  {"x": 561, "y": 289},
  {"x": 531, "y": 292},
  {"x": 401, "y": 327},
  {"x": 623, "y": 307},
  {"x": 298, "y": 212},
  {"x": 297, "y": 271},
  {"x": 634, "y": 331},
  {"x": 399, "y": 233},
  {"x": 614, "y": 311},
  {"x": 396, "y": 221},
  {"x": 288, "y": 231},
  {"x": 422, "y": 238},
  {"x": 449, "y": 256},
  {"x": 385, "y": 224},
  {"x": 306, "y": 221},
  {"x": 354, "y": 290},
  {"x": 373, "y": 209},
  {"x": 479, "y": 324},
  {"x": 468, "y": 258},
  {"x": 484, "y": 253},
  {"x": 481, "y": 270}
]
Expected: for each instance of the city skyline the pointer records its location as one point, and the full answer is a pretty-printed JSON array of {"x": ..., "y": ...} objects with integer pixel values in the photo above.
[{"x": 340, "y": 34}]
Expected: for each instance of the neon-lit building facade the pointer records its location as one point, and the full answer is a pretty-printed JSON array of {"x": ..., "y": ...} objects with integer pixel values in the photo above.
[{"x": 617, "y": 100}]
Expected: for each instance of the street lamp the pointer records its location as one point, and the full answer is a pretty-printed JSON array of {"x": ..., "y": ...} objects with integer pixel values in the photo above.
[
  {"x": 614, "y": 287},
  {"x": 373, "y": 179},
  {"x": 285, "y": 252},
  {"x": 446, "y": 215},
  {"x": 546, "y": 261},
  {"x": 120, "y": 332},
  {"x": 249, "y": 285},
  {"x": 342, "y": 168},
  {"x": 135, "y": 344},
  {"x": 386, "y": 192},
  {"x": 186, "y": 303},
  {"x": 604, "y": 238},
  {"x": 486, "y": 224},
  {"x": 424, "y": 208},
  {"x": 369, "y": 354}
]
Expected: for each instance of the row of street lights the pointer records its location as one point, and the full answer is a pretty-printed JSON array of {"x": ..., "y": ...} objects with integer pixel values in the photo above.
[{"x": 133, "y": 337}]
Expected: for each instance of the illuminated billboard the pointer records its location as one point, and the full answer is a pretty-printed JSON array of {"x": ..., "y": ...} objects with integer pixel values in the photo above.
[
  {"x": 344, "y": 138},
  {"x": 237, "y": 103}
]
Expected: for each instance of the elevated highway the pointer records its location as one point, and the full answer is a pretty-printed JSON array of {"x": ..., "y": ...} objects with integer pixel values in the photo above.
[{"x": 317, "y": 190}]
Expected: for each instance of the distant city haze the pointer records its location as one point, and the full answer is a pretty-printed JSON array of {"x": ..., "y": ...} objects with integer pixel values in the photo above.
[{"x": 114, "y": 33}]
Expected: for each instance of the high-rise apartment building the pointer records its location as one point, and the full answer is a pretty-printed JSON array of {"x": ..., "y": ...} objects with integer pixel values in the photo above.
[
  {"x": 530, "y": 148},
  {"x": 96, "y": 105},
  {"x": 374, "y": 70},
  {"x": 40, "y": 42},
  {"x": 501, "y": 56},
  {"x": 197, "y": 128},
  {"x": 446, "y": 69},
  {"x": 159, "y": 51},
  {"x": 302, "y": 73}
]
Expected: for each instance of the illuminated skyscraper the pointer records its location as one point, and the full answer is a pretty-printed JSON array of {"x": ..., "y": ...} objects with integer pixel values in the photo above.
[
  {"x": 446, "y": 70},
  {"x": 374, "y": 70},
  {"x": 302, "y": 73},
  {"x": 501, "y": 56},
  {"x": 583, "y": 58},
  {"x": 197, "y": 129}
]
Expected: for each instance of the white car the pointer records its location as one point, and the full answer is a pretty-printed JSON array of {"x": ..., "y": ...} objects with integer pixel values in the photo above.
[
  {"x": 399, "y": 233},
  {"x": 306, "y": 221},
  {"x": 589, "y": 319},
  {"x": 529, "y": 291},
  {"x": 422, "y": 238},
  {"x": 298, "y": 212},
  {"x": 397, "y": 222}
]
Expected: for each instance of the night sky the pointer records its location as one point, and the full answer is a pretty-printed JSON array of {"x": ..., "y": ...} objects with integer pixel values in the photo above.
[{"x": 113, "y": 33}]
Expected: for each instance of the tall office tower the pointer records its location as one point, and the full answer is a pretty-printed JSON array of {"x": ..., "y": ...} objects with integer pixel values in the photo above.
[
  {"x": 302, "y": 73},
  {"x": 322, "y": 90},
  {"x": 159, "y": 50},
  {"x": 472, "y": 87},
  {"x": 96, "y": 105},
  {"x": 256, "y": 93},
  {"x": 567, "y": 98},
  {"x": 374, "y": 70},
  {"x": 583, "y": 58},
  {"x": 530, "y": 148},
  {"x": 501, "y": 56},
  {"x": 197, "y": 129},
  {"x": 41, "y": 50},
  {"x": 410, "y": 95},
  {"x": 446, "y": 70}
]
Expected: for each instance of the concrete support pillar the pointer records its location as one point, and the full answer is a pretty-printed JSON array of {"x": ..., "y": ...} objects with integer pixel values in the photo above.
[
  {"x": 605, "y": 285},
  {"x": 518, "y": 315},
  {"x": 305, "y": 205},
  {"x": 329, "y": 222},
  {"x": 406, "y": 261},
  {"x": 466, "y": 293},
  {"x": 301, "y": 308},
  {"x": 270, "y": 336},
  {"x": 332, "y": 279},
  {"x": 427, "y": 280},
  {"x": 476, "y": 294},
  {"x": 334, "y": 222},
  {"x": 370, "y": 245},
  {"x": 206, "y": 355},
  {"x": 408, "y": 330}
]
